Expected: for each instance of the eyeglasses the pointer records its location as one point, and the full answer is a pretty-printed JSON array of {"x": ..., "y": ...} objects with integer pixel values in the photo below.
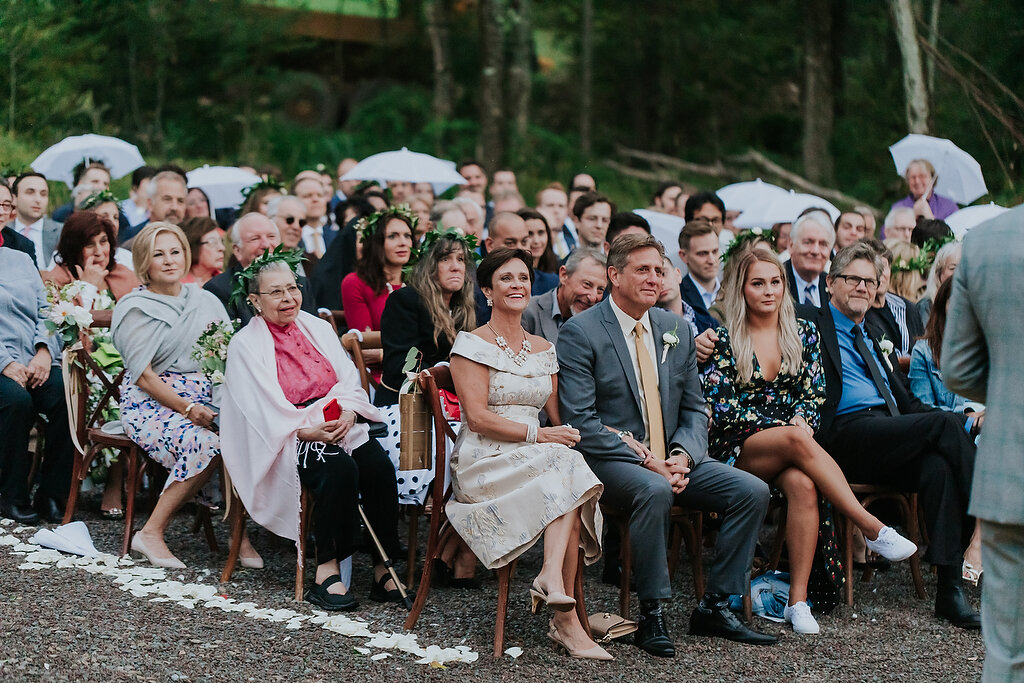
[
  {"x": 278, "y": 294},
  {"x": 857, "y": 281},
  {"x": 291, "y": 219},
  {"x": 6, "y": 206}
]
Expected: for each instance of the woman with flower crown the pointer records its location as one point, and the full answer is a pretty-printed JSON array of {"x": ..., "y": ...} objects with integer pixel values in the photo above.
[
  {"x": 764, "y": 385},
  {"x": 386, "y": 238}
]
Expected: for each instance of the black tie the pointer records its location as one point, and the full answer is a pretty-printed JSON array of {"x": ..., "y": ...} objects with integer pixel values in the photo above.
[{"x": 875, "y": 372}]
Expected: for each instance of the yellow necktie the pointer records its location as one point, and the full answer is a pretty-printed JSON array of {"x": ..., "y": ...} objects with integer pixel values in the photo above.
[
  {"x": 651, "y": 396},
  {"x": 318, "y": 242}
]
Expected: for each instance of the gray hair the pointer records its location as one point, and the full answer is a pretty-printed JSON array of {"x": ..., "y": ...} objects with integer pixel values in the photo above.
[
  {"x": 818, "y": 217},
  {"x": 578, "y": 256},
  {"x": 272, "y": 267},
  {"x": 896, "y": 212},
  {"x": 236, "y": 229},
  {"x": 856, "y": 252},
  {"x": 163, "y": 175},
  {"x": 439, "y": 209},
  {"x": 942, "y": 258},
  {"x": 466, "y": 201},
  {"x": 274, "y": 205}
]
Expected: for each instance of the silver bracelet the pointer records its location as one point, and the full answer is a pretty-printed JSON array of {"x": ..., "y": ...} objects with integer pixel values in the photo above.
[{"x": 531, "y": 433}]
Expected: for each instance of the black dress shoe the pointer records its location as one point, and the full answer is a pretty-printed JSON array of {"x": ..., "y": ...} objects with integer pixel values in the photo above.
[
  {"x": 719, "y": 621},
  {"x": 652, "y": 635},
  {"x": 49, "y": 509},
  {"x": 23, "y": 514},
  {"x": 319, "y": 596},
  {"x": 952, "y": 604}
]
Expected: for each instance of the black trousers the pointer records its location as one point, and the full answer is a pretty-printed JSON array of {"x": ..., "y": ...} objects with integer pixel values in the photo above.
[
  {"x": 337, "y": 480},
  {"x": 925, "y": 452},
  {"x": 19, "y": 407}
]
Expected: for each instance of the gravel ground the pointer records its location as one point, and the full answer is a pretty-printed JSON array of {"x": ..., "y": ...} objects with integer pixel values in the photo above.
[{"x": 65, "y": 624}]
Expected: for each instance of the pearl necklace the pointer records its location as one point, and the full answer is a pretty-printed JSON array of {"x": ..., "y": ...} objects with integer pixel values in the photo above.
[{"x": 517, "y": 358}]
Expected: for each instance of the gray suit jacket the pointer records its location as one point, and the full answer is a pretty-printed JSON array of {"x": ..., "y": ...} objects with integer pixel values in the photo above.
[
  {"x": 537, "y": 318},
  {"x": 51, "y": 235},
  {"x": 597, "y": 385},
  {"x": 981, "y": 360}
]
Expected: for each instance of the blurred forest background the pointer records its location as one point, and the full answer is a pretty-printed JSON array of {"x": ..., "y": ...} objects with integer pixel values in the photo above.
[{"x": 707, "y": 92}]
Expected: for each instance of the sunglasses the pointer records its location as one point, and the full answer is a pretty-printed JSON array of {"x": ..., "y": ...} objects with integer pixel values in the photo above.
[{"x": 291, "y": 219}]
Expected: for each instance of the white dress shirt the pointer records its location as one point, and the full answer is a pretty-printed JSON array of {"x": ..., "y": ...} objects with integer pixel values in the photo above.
[
  {"x": 313, "y": 238},
  {"x": 628, "y": 324},
  {"x": 35, "y": 233},
  {"x": 705, "y": 295},
  {"x": 814, "y": 297}
]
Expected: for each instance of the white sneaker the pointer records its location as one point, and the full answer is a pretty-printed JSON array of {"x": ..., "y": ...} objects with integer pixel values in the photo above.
[
  {"x": 891, "y": 545},
  {"x": 799, "y": 615}
]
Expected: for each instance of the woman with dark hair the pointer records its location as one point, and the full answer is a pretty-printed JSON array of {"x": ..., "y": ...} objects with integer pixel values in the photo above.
[
  {"x": 765, "y": 387},
  {"x": 537, "y": 227},
  {"x": 259, "y": 195},
  {"x": 85, "y": 252},
  {"x": 926, "y": 384},
  {"x": 387, "y": 239},
  {"x": 513, "y": 480},
  {"x": 197, "y": 204},
  {"x": 206, "y": 242}
]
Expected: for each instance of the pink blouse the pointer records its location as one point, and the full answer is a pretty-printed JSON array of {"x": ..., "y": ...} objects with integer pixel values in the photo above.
[
  {"x": 302, "y": 371},
  {"x": 362, "y": 307}
]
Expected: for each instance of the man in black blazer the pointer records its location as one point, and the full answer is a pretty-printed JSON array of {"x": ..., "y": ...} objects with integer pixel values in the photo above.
[
  {"x": 251, "y": 235},
  {"x": 880, "y": 434},
  {"x": 15, "y": 240},
  {"x": 698, "y": 248},
  {"x": 813, "y": 237}
]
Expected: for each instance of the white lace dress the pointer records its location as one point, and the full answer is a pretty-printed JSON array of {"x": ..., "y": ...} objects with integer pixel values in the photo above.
[{"x": 504, "y": 494}]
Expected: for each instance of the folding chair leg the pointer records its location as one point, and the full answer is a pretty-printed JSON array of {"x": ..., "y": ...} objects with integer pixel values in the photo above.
[
  {"x": 626, "y": 557},
  {"x": 304, "y": 516},
  {"x": 847, "y": 526},
  {"x": 133, "y": 469},
  {"x": 78, "y": 472},
  {"x": 504, "y": 579},
  {"x": 581, "y": 607},
  {"x": 237, "y": 525},
  {"x": 410, "y": 562}
]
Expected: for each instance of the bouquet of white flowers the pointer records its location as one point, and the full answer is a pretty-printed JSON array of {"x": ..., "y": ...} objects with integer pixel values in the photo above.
[
  {"x": 65, "y": 315},
  {"x": 211, "y": 350}
]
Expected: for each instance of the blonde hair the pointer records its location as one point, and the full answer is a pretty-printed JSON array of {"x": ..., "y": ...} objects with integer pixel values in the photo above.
[
  {"x": 735, "y": 307},
  {"x": 907, "y": 283},
  {"x": 142, "y": 247},
  {"x": 460, "y": 315}
]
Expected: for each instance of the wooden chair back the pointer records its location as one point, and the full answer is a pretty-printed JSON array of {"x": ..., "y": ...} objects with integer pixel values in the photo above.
[
  {"x": 356, "y": 348},
  {"x": 335, "y": 317}
]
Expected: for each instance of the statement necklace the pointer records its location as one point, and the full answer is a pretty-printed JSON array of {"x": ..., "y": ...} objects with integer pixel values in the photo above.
[{"x": 517, "y": 358}]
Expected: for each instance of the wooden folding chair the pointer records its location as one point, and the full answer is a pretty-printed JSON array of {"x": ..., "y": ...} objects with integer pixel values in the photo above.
[
  {"x": 440, "y": 530},
  {"x": 907, "y": 502},
  {"x": 357, "y": 348},
  {"x": 335, "y": 318}
]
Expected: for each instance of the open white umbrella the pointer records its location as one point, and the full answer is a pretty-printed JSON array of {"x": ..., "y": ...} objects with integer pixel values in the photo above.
[
  {"x": 959, "y": 174},
  {"x": 222, "y": 184},
  {"x": 412, "y": 167},
  {"x": 970, "y": 216},
  {"x": 784, "y": 209},
  {"x": 665, "y": 227},
  {"x": 58, "y": 162},
  {"x": 749, "y": 195}
]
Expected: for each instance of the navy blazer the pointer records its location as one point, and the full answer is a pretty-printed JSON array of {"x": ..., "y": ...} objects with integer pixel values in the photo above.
[
  {"x": 703, "y": 319},
  {"x": 823, "y": 295},
  {"x": 15, "y": 240}
]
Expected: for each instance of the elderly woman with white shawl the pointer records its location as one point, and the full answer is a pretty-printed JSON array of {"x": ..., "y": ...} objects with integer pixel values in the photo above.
[
  {"x": 163, "y": 395},
  {"x": 284, "y": 368}
]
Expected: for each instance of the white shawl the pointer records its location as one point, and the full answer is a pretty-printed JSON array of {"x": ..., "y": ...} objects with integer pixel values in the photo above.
[{"x": 258, "y": 425}]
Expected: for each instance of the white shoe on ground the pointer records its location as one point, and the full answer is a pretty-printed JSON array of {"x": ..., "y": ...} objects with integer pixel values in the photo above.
[
  {"x": 891, "y": 545},
  {"x": 799, "y": 615}
]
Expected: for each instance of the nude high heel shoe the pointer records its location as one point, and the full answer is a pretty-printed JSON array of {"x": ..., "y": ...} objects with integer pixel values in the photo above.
[
  {"x": 560, "y": 602},
  {"x": 597, "y": 652},
  {"x": 139, "y": 548}
]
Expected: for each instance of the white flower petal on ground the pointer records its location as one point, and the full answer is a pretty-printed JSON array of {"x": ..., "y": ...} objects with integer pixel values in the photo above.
[
  {"x": 379, "y": 656},
  {"x": 514, "y": 652},
  {"x": 33, "y": 565}
]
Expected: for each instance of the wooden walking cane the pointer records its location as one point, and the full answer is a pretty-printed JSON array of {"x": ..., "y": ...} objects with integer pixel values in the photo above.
[{"x": 386, "y": 559}]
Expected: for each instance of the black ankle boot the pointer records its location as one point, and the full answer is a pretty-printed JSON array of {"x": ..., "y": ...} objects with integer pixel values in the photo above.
[
  {"x": 652, "y": 634},
  {"x": 950, "y": 601}
]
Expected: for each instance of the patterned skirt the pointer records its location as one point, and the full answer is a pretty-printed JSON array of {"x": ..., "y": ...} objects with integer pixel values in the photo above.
[{"x": 168, "y": 437}]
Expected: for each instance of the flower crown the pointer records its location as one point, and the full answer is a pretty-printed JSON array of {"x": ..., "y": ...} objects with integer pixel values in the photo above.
[
  {"x": 434, "y": 236},
  {"x": 367, "y": 225},
  {"x": 922, "y": 263},
  {"x": 245, "y": 276},
  {"x": 97, "y": 198},
  {"x": 271, "y": 183},
  {"x": 748, "y": 237}
]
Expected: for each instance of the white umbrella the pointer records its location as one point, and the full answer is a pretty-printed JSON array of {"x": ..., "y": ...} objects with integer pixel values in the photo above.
[
  {"x": 58, "y": 162},
  {"x": 970, "y": 216},
  {"x": 749, "y": 195},
  {"x": 412, "y": 167},
  {"x": 960, "y": 176},
  {"x": 784, "y": 209},
  {"x": 222, "y": 184},
  {"x": 665, "y": 227}
]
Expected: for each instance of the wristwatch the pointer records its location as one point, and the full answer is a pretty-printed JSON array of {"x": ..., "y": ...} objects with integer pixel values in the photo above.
[
  {"x": 622, "y": 433},
  {"x": 689, "y": 458}
]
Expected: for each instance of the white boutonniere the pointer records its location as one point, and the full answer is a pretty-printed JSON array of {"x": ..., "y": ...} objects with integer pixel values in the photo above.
[
  {"x": 669, "y": 341},
  {"x": 887, "y": 347}
]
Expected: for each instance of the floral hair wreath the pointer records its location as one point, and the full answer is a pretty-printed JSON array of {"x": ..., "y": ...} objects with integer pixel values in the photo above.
[
  {"x": 435, "y": 236},
  {"x": 245, "y": 276},
  {"x": 367, "y": 225},
  {"x": 98, "y": 198},
  {"x": 271, "y": 183},
  {"x": 748, "y": 237},
  {"x": 922, "y": 263}
]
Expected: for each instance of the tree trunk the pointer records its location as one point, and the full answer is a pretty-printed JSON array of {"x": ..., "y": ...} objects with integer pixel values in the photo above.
[
  {"x": 444, "y": 84},
  {"x": 933, "y": 38},
  {"x": 586, "y": 74},
  {"x": 12, "y": 70},
  {"x": 913, "y": 74},
  {"x": 492, "y": 68},
  {"x": 519, "y": 76},
  {"x": 818, "y": 92}
]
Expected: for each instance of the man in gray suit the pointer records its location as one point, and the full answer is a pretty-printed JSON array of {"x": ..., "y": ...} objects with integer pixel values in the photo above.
[
  {"x": 31, "y": 202},
  {"x": 581, "y": 284},
  {"x": 981, "y": 360},
  {"x": 628, "y": 382}
]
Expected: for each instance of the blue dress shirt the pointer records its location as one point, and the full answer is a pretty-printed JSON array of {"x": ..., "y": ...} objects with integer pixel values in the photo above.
[{"x": 859, "y": 391}]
